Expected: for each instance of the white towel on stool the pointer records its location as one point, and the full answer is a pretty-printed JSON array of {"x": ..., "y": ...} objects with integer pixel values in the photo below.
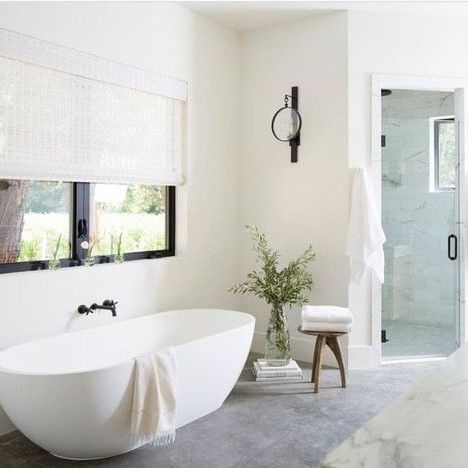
[
  {"x": 155, "y": 398},
  {"x": 326, "y": 327},
  {"x": 327, "y": 314},
  {"x": 365, "y": 234}
]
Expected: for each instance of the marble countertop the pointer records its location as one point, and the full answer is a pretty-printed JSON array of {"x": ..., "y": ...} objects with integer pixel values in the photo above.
[{"x": 425, "y": 428}]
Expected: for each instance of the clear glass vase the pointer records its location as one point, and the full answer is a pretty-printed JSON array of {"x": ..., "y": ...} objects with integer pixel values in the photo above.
[
  {"x": 54, "y": 264},
  {"x": 119, "y": 258},
  {"x": 89, "y": 261},
  {"x": 278, "y": 346}
]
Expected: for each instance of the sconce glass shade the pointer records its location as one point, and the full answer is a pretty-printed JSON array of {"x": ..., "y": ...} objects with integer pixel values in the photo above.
[{"x": 286, "y": 124}]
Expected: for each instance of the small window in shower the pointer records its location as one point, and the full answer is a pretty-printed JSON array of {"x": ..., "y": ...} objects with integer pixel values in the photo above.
[{"x": 444, "y": 153}]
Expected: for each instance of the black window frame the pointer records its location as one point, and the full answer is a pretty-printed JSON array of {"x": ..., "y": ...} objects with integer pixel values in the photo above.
[
  {"x": 437, "y": 124},
  {"x": 80, "y": 228}
]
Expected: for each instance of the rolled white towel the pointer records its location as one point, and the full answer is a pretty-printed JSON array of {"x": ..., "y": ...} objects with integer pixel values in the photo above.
[
  {"x": 326, "y": 314},
  {"x": 326, "y": 327}
]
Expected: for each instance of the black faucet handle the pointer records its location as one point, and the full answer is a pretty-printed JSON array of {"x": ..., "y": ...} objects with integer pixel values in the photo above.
[
  {"x": 82, "y": 309},
  {"x": 109, "y": 303}
]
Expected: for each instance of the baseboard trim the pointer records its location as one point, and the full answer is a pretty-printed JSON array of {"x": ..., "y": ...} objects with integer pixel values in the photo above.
[
  {"x": 361, "y": 357},
  {"x": 6, "y": 428}
]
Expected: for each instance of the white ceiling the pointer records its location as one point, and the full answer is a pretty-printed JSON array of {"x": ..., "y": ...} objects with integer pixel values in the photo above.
[{"x": 244, "y": 15}]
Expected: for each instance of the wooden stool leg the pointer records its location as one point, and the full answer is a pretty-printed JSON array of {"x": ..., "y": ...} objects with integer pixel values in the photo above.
[
  {"x": 334, "y": 345},
  {"x": 314, "y": 362},
  {"x": 318, "y": 362}
]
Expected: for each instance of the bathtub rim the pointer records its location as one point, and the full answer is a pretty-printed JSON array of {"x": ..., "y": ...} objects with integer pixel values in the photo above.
[{"x": 250, "y": 320}]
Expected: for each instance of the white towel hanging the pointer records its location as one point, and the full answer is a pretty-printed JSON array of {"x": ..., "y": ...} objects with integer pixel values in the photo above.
[
  {"x": 365, "y": 234},
  {"x": 155, "y": 398}
]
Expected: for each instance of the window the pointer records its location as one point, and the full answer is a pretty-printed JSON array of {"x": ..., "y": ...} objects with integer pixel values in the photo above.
[
  {"x": 42, "y": 220},
  {"x": 68, "y": 116},
  {"x": 132, "y": 214},
  {"x": 34, "y": 219},
  {"x": 445, "y": 154}
]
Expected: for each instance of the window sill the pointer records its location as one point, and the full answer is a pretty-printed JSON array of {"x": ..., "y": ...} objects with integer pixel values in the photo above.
[{"x": 24, "y": 267}]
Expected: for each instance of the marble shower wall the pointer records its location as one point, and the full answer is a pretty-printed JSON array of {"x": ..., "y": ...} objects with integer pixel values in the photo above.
[{"x": 420, "y": 281}]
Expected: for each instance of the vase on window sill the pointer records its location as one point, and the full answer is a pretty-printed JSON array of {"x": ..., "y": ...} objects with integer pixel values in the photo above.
[
  {"x": 54, "y": 264},
  {"x": 119, "y": 258},
  {"x": 89, "y": 261},
  {"x": 278, "y": 346}
]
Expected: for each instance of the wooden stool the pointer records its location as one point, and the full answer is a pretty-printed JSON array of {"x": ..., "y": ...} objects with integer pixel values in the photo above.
[{"x": 330, "y": 339}]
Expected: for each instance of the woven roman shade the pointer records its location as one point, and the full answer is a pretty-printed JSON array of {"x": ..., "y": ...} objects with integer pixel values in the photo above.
[{"x": 70, "y": 116}]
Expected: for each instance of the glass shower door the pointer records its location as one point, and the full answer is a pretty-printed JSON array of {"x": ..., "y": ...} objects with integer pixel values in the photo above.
[{"x": 420, "y": 217}]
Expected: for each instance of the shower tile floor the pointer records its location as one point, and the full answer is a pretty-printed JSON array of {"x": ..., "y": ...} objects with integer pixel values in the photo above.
[
  {"x": 258, "y": 425},
  {"x": 409, "y": 339}
]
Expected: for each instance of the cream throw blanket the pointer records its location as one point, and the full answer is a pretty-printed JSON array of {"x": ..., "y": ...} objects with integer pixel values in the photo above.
[{"x": 155, "y": 398}]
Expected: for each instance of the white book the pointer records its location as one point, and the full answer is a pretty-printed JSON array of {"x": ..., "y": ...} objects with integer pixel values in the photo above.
[
  {"x": 292, "y": 365},
  {"x": 278, "y": 372},
  {"x": 290, "y": 368},
  {"x": 279, "y": 380},
  {"x": 273, "y": 375}
]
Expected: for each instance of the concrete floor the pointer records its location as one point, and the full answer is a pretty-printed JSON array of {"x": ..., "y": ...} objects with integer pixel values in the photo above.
[{"x": 258, "y": 426}]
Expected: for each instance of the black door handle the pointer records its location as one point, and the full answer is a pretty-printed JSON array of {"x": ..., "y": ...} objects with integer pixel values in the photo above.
[
  {"x": 82, "y": 228},
  {"x": 449, "y": 247}
]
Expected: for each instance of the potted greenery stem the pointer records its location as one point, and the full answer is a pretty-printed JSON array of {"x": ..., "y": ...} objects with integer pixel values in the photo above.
[
  {"x": 119, "y": 256},
  {"x": 54, "y": 262},
  {"x": 280, "y": 288}
]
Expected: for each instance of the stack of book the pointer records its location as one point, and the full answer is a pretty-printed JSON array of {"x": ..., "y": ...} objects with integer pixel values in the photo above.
[{"x": 272, "y": 374}]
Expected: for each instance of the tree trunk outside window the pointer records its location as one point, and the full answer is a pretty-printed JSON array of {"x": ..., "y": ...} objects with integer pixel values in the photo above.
[{"x": 12, "y": 204}]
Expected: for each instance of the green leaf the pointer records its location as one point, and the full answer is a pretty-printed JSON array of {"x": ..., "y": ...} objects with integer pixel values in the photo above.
[{"x": 277, "y": 287}]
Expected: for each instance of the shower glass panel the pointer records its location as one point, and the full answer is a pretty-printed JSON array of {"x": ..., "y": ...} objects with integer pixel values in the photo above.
[{"x": 420, "y": 217}]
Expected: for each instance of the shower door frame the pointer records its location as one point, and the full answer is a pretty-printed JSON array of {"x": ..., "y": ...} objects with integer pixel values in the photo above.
[{"x": 459, "y": 86}]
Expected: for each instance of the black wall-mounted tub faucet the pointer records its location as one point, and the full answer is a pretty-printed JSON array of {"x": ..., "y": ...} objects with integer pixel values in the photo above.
[{"x": 108, "y": 304}]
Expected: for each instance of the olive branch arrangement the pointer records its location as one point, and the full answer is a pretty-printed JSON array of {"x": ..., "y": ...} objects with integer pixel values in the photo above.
[{"x": 278, "y": 287}]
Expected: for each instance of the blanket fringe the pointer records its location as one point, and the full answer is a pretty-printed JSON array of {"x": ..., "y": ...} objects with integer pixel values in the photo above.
[{"x": 154, "y": 440}]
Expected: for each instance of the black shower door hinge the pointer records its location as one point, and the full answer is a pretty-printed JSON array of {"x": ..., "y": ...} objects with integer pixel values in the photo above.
[
  {"x": 383, "y": 336},
  {"x": 383, "y": 141}
]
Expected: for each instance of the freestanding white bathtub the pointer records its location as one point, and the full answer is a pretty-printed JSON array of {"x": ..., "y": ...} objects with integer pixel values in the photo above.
[{"x": 71, "y": 394}]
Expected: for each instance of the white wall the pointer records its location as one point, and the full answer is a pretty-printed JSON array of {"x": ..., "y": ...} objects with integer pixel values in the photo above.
[
  {"x": 306, "y": 202},
  {"x": 394, "y": 44},
  {"x": 167, "y": 39}
]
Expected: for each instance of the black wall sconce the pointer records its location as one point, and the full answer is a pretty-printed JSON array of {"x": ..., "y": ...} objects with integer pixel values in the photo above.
[{"x": 287, "y": 122}]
